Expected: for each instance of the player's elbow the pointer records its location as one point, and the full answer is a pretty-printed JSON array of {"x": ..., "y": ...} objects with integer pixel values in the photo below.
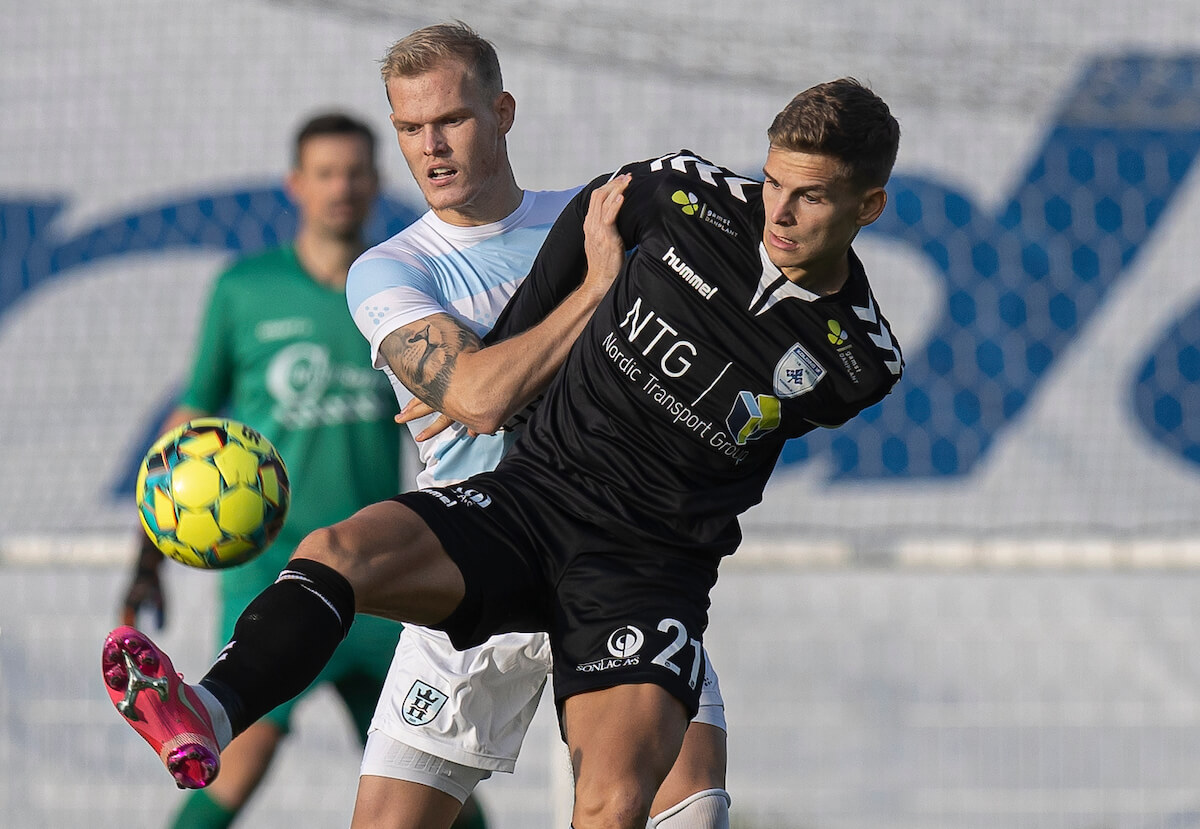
[
  {"x": 481, "y": 412},
  {"x": 490, "y": 421},
  {"x": 480, "y": 424}
]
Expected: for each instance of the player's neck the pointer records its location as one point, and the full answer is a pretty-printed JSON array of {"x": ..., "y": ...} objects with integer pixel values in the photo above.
[
  {"x": 493, "y": 204},
  {"x": 327, "y": 259},
  {"x": 823, "y": 279}
]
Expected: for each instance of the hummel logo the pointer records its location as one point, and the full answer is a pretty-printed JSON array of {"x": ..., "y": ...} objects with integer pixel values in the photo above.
[
  {"x": 307, "y": 583},
  {"x": 689, "y": 276}
]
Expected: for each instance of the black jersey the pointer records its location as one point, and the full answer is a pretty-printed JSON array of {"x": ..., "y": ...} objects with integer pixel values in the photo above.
[{"x": 671, "y": 409}]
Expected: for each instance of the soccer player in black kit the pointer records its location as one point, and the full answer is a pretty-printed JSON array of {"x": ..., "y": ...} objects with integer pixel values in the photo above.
[{"x": 741, "y": 318}]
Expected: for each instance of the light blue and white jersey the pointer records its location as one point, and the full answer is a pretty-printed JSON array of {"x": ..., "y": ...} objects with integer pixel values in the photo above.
[{"x": 432, "y": 267}]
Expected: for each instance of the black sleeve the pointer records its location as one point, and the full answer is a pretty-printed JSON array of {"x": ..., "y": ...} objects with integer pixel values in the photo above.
[
  {"x": 562, "y": 262},
  {"x": 561, "y": 265},
  {"x": 558, "y": 269}
]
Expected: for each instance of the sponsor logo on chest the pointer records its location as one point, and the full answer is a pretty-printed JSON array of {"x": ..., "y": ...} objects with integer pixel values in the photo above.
[
  {"x": 288, "y": 328},
  {"x": 690, "y": 205}
]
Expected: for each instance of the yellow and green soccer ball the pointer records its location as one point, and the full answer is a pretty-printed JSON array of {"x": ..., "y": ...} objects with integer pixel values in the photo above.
[{"x": 212, "y": 493}]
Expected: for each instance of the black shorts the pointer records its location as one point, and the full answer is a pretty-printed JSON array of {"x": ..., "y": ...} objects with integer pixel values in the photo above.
[{"x": 617, "y": 613}]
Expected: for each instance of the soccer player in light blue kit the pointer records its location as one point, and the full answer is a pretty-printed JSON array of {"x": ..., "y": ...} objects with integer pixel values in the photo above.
[{"x": 446, "y": 718}]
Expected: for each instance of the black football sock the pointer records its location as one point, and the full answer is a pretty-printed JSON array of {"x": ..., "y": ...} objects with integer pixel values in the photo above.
[{"x": 281, "y": 641}]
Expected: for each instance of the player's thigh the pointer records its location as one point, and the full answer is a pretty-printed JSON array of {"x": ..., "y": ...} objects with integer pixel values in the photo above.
[
  {"x": 703, "y": 760},
  {"x": 387, "y": 803},
  {"x": 403, "y": 787},
  {"x": 396, "y": 565},
  {"x": 622, "y": 741},
  {"x": 493, "y": 531},
  {"x": 699, "y": 767}
]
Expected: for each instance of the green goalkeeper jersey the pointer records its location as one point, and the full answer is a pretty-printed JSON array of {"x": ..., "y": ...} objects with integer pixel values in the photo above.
[{"x": 279, "y": 351}]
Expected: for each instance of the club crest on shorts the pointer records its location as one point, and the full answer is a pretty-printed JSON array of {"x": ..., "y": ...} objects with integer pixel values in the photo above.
[
  {"x": 797, "y": 372},
  {"x": 422, "y": 703},
  {"x": 472, "y": 496}
]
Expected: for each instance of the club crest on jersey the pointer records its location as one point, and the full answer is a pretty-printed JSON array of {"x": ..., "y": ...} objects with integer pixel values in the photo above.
[
  {"x": 797, "y": 372},
  {"x": 422, "y": 703}
]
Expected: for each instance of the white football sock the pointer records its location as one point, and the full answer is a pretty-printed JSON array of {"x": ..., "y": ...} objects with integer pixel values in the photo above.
[
  {"x": 222, "y": 730},
  {"x": 708, "y": 809}
]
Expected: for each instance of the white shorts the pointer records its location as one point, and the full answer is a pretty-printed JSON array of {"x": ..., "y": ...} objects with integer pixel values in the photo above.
[
  {"x": 385, "y": 757},
  {"x": 473, "y": 707}
]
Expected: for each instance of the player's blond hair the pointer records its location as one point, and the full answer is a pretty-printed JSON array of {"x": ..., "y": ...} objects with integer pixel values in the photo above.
[
  {"x": 425, "y": 48},
  {"x": 846, "y": 120}
]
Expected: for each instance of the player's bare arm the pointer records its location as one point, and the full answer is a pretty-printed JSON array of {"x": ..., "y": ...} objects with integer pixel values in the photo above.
[
  {"x": 424, "y": 354},
  {"x": 483, "y": 387}
]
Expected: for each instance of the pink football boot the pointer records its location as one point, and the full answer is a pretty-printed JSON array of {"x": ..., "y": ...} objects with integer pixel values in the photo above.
[{"x": 161, "y": 707}]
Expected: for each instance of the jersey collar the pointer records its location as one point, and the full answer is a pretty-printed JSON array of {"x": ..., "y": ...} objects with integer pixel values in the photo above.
[{"x": 475, "y": 233}]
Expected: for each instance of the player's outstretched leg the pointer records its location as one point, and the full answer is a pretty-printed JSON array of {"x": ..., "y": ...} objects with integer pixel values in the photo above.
[{"x": 154, "y": 699}]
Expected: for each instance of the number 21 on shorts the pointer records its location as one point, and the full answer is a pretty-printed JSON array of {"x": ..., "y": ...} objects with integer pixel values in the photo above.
[{"x": 682, "y": 644}]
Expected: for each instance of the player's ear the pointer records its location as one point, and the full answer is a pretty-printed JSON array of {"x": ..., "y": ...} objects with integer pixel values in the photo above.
[
  {"x": 871, "y": 206},
  {"x": 506, "y": 111}
]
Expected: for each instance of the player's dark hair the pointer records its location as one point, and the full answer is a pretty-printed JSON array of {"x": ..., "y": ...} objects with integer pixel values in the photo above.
[
  {"x": 846, "y": 120},
  {"x": 423, "y": 49},
  {"x": 332, "y": 123}
]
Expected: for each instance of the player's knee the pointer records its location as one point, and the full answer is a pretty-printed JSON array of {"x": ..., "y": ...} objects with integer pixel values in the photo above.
[
  {"x": 342, "y": 549},
  {"x": 329, "y": 547},
  {"x": 611, "y": 804}
]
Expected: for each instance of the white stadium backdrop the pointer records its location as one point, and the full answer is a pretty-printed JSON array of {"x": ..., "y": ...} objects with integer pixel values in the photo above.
[{"x": 974, "y": 606}]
